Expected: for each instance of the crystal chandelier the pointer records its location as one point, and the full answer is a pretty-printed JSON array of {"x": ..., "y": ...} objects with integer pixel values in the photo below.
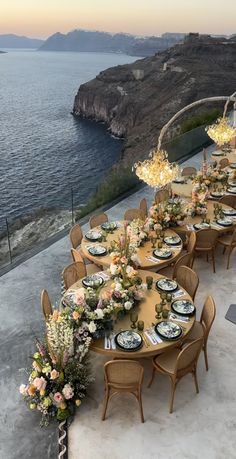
[
  {"x": 157, "y": 171},
  {"x": 221, "y": 132}
]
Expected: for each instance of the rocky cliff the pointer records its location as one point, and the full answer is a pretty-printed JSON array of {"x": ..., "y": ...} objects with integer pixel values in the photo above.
[{"x": 137, "y": 99}]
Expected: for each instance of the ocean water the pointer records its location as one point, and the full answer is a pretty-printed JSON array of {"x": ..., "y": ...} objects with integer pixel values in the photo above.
[{"x": 44, "y": 150}]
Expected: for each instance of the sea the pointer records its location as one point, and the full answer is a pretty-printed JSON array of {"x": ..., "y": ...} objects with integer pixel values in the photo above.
[{"x": 44, "y": 150}]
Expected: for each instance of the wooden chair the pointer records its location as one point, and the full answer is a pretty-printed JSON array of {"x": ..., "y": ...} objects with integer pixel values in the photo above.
[
  {"x": 76, "y": 236},
  {"x": 188, "y": 279},
  {"x": 191, "y": 244},
  {"x": 229, "y": 200},
  {"x": 224, "y": 162},
  {"x": 206, "y": 242},
  {"x": 91, "y": 268},
  {"x": 97, "y": 220},
  {"x": 178, "y": 363},
  {"x": 229, "y": 242},
  {"x": 73, "y": 273},
  {"x": 170, "y": 271},
  {"x": 133, "y": 214},
  {"x": 161, "y": 195},
  {"x": 143, "y": 208},
  {"x": 187, "y": 171},
  {"x": 123, "y": 376},
  {"x": 202, "y": 329},
  {"x": 46, "y": 304}
]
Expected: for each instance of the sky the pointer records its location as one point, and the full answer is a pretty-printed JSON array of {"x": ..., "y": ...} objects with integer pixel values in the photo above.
[{"x": 41, "y": 18}]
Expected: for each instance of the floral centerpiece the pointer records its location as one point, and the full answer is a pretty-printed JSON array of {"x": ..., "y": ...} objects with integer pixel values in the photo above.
[
  {"x": 198, "y": 205},
  {"x": 209, "y": 174},
  {"x": 137, "y": 233},
  {"x": 166, "y": 214}
]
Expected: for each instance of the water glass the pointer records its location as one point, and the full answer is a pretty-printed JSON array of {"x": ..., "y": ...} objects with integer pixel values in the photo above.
[
  {"x": 140, "y": 325},
  {"x": 133, "y": 318},
  {"x": 149, "y": 282}
]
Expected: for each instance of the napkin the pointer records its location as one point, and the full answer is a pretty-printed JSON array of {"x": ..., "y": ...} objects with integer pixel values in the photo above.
[
  {"x": 154, "y": 259},
  {"x": 178, "y": 293},
  {"x": 190, "y": 227},
  {"x": 152, "y": 336},
  {"x": 104, "y": 275}
]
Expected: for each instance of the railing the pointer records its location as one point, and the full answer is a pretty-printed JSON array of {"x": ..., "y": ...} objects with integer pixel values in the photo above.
[{"x": 22, "y": 236}]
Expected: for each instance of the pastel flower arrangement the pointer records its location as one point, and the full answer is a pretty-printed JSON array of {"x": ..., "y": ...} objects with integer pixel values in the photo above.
[
  {"x": 166, "y": 214},
  {"x": 198, "y": 205},
  {"x": 209, "y": 175},
  {"x": 59, "y": 375}
]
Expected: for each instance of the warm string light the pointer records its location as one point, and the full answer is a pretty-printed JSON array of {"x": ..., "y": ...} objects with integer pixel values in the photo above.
[
  {"x": 157, "y": 171},
  {"x": 221, "y": 132}
]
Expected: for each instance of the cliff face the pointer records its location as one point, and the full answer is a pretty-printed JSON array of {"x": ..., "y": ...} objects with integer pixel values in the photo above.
[{"x": 137, "y": 99}]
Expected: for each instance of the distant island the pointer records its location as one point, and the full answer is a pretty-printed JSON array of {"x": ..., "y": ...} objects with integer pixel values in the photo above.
[
  {"x": 103, "y": 42},
  {"x": 136, "y": 100},
  {"x": 16, "y": 41}
]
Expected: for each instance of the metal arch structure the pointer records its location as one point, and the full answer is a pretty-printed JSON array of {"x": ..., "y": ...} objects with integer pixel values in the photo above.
[{"x": 228, "y": 99}]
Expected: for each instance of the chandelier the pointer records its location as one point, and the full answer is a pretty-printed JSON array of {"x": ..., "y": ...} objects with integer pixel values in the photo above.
[
  {"x": 221, "y": 132},
  {"x": 157, "y": 171}
]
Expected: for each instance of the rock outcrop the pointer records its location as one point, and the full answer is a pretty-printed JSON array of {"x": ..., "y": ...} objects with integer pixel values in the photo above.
[{"x": 137, "y": 99}]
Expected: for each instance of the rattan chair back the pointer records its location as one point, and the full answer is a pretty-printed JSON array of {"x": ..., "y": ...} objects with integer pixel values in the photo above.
[
  {"x": 76, "y": 256},
  {"x": 76, "y": 236},
  {"x": 224, "y": 162},
  {"x": 191, "y": 243},
  {"x": 229, "y": 200},
  {"x": 183, "y": 260},
  {"x": 208, "y": 316},
  {"x": 188, "y": 279},
  {"x": 123, "y": 373},
  {"x": 161, "y": 195},
  {"x": 206, "y": 238},
  {"x": 187, "y": 171},
  {"x": 143, "y": 208},
  {"x": 46, "y": 304},
  {"x": 188, "y": 357},
  {"x": 133, "y": 214},
  {"x": 97, "y": 220},
  {"x": 73, "y": 273}
]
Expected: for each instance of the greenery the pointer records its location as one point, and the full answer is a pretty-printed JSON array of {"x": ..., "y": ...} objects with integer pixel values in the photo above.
[
  {"x": 119, "y": 180},
  {"x": 199, "y": 120}
]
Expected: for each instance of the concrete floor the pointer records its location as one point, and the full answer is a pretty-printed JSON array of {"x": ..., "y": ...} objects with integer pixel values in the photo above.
[{"x": 205, "y": 422}]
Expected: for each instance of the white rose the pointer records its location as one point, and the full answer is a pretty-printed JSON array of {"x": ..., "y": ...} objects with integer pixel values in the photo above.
[
  {"x": 92, "y": 327},
  {"x": 68, "y": 391},
  {"x": 128, "y": 305},
  {"x": 113, "y": 269},
  {"x": 23, "y": 389},
  {"x": 118, "y": 286},
  {"x": 99, "y": 313}
]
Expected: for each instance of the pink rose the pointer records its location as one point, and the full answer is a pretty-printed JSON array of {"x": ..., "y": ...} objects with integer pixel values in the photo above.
[
  {"x": 54, "y": 374},
  {"x": 40, "y": 383},
  {"x": 58, "y": 397}
]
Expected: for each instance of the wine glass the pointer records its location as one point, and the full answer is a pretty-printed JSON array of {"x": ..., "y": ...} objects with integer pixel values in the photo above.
[
  {"x": 133, "y": 318},
  {"x": 149, "y": 282},
  {"x": 140, "y": 325},
  {"x": 158, "y": 309},
  {"x": 163, "y": 298}
]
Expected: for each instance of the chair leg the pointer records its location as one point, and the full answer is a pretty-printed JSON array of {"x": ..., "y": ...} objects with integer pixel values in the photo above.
[
  {"x": 140, "y": 405},
  {"x": 229, "y": 254},
  {"x": 195, "y": 379},
  {"x": 152, "y": 377},
  {"x": 206, "y": 357},
  {"x": 107, "y": 394},
  {"x": 173, "y": 386},
  {"x": 213, "y": 260},
  {"x": 224, "y": 249}
]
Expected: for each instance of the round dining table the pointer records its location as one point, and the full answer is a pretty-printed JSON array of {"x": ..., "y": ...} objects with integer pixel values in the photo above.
[
  {"x": 144, "y": 252},
  {"x": 217, "y": 155},
  {"x": 146, "y": 313}
]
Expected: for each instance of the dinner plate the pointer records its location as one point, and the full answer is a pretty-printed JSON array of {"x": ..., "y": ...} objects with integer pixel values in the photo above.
[
  {"x": 233, "y": 184},
  {"x": 199, "y": 226},
  {"x": 217, "y": 194},
  {"x": 109, "y": 226},
  {"x": 232, "y": 166},
  {"x": 93, "y": 235},
  {"x": 97, "y": 250},
  {"x": 225, "y": 222},
  {"x": 229, "y": 212},
  {"x": 93, "y": 281},
  {"x": 129, "y": 340},
  {"x": 231, "y": 189},
  {"x": 218, "y": 153},
  {"x": 172, "y": 240},
  {"x": 179, "y": 180},
  {"x": 162, "y": 253},
  {"x": 168, "y": 330},
  {"x": 184, "y": 307},
  {"x": 167, "y": 285}
]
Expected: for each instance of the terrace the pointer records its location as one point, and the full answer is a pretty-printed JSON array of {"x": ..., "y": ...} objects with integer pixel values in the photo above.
[{"x": 201, "y": 425}]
